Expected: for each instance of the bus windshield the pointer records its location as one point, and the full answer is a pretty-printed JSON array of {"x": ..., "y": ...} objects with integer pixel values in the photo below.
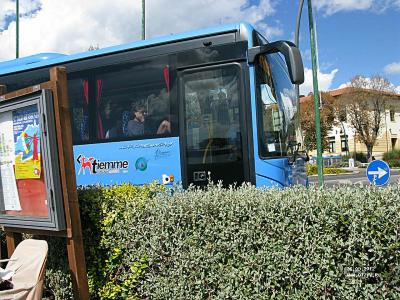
[{"x": 276, "y": 107}]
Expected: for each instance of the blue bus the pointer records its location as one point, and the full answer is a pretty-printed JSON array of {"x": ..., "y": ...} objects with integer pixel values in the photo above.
[{"x": 216, "y": 104}]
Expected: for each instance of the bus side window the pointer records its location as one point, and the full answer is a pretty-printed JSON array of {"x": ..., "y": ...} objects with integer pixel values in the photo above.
[
  {"x": 79, "y": 96},
  {"x": 138, "y": 95}
]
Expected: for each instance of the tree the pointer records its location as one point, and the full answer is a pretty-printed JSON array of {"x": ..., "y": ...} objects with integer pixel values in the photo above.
[
  {"x": 307, "y": 117},
  {"x": 365, "y": 105}
]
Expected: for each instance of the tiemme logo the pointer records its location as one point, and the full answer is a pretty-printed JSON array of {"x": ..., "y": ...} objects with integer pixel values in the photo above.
[{"x": 96, "y": 166}]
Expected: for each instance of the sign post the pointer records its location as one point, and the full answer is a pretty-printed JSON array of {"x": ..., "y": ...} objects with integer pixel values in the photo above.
[{"x": 378, "y": 172}]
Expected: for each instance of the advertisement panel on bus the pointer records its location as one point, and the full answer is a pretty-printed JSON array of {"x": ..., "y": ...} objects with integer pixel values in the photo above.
[{"x": 136, "y": 162}]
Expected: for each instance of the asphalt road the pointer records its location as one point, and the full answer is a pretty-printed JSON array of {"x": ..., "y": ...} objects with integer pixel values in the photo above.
[{"x": 358, "y": 177}]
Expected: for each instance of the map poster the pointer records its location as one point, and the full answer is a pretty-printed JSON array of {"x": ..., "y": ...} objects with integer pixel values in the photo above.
[
  {"x": 8, "y": 185},
  {"x": 26, "y": 129}
]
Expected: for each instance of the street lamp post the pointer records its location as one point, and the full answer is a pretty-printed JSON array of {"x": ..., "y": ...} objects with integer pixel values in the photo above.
[
  {"x": 143, "y": 19},
  {"x": 297, "y": 87},
  {"x": 316, "y": 95},
  {"x": 17, "y": 29},
  {"x": 387, "y": 142},
  {"x": 315, "y": 84}
]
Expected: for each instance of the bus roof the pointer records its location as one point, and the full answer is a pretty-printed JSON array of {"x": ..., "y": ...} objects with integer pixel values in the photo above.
[{"x": 49, "y": 59}]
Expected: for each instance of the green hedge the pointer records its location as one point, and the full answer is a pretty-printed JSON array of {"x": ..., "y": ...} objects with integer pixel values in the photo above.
[
  {"x": 392, "y": 158},
  {"x": 360, "y": 156},
  {"x": 313, "y": 170},
  {"x": 345, "y": 164},
  {"x": 243, "y": 243},
  {"x": 393, "y": 154},
  {"x": 102, "y": 208},
  {"x": 394, "y": 163}
]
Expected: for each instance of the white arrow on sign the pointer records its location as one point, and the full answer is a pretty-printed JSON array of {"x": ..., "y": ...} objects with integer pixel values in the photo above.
[{"x": 380, "y": 172}]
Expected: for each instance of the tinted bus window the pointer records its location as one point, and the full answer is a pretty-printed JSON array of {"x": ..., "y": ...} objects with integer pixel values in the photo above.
[
  {"x": 134, "y": 101},
  {"x": 78, "y": 92},
  {"x": 212, "y": 116}
]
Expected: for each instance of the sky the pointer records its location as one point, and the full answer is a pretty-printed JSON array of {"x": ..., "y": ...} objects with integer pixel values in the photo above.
[{"x": 355, "y": 37}]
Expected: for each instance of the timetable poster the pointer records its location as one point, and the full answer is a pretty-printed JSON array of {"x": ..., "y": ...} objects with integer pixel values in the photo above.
[
  {"x": 8, "y": 186},
  {"x": 26, "y": 129}
]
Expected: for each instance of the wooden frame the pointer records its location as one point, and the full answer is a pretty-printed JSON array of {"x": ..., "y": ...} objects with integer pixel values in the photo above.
[{"x": 73, "y": 232}]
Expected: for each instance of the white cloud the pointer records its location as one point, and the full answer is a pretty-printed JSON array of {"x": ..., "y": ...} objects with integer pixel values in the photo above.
[
  {"x": 269, "y": 31},
  {"x": 7, "y": 9},
  {"x": 397, "y": 3},
  {"x": 324, "y": 81},
  {"x": 344, "y": 85},
  {"x": 306, "y": 54},
  {"x": 393, "y": 68},
  {"x": 72, "y": 26},
  {"x": 331, "y": 7}
]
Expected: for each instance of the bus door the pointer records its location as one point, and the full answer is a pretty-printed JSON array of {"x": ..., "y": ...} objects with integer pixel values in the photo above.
[{"x": 211, "y": 130}]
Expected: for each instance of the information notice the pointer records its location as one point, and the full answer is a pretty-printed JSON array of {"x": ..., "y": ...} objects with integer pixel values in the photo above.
[{"x": 8, "y": 186}]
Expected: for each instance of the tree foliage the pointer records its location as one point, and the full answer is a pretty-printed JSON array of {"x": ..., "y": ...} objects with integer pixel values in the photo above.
[
  {"x": 365, "y": 105},
  {"x": 307, "y": 116}
]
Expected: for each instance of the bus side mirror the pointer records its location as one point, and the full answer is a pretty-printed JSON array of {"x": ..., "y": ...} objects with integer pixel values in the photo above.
[{"x": 290, "y": 52}]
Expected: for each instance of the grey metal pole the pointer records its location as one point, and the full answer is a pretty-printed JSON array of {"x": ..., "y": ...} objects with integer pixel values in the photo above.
[
  {"x": 17, "y": 29},
  {"x": 143, "y": 19},
  {"x": 387, "y": 143}
]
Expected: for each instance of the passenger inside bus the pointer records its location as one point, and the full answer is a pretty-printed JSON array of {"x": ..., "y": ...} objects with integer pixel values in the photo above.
[
  {"x": 164, "y": 128},
  {"x": 136, "y": 125},
  {"x": 116, "y": 120},
  {"x": 107, "y": 122},
  {"x": 158, "y": 120}
]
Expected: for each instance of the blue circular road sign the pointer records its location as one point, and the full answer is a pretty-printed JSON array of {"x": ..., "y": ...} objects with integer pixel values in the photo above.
[{"x": 378, "y": 172}]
